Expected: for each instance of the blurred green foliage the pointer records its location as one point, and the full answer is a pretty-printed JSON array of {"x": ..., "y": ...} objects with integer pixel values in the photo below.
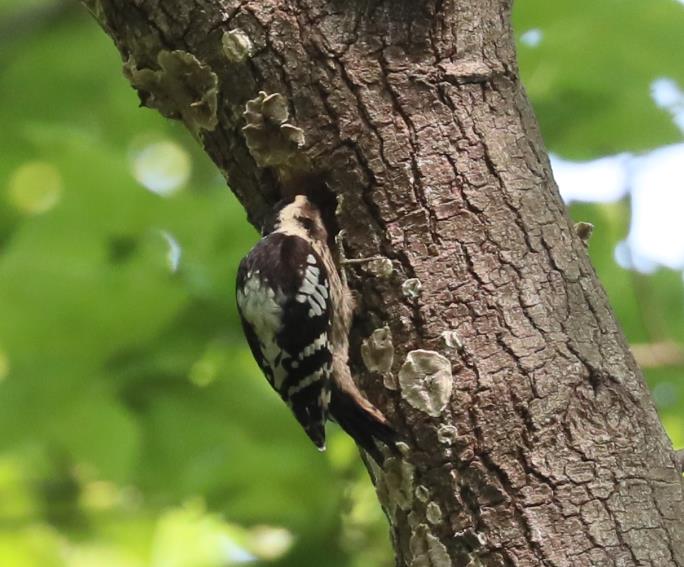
[{"x": 135, "y": 429}]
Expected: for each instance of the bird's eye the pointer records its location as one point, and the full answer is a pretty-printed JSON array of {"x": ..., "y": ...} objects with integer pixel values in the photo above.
[{"x": 307, "y": 223}]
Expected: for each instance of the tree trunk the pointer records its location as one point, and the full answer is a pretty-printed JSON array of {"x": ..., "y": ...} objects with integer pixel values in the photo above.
[{"x": 532, "y": 439}]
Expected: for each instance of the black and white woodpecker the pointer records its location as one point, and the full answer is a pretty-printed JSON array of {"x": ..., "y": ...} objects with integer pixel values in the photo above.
[{"x": 296, "y": 314}]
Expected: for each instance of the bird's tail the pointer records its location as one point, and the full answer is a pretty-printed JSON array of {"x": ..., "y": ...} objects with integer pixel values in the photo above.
[{"x": 361, "y": 420}]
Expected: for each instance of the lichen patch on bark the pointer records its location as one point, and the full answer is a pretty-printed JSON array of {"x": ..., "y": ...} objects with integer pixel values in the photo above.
[
  {"x": 422, "y": 493},
  {"x": 412, "y": 288},
  {"x": 271, "y": 139},
  {"x": 182, "y": 88},
  {"x": 377, "y": 351},
  {"x": 426, "y": 381},
  {"x": 447, "y": 433},
  {"x": 433, "y": 513},
  {"x": 452, "y": 340},
  {"x": 395, "y": 485},
  {"x": 237, "y": 46},
  {"x": 427, "y": 550}
]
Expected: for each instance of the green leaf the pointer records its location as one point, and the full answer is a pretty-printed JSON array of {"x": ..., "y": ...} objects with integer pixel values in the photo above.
[{"x": 590, "y": 76}]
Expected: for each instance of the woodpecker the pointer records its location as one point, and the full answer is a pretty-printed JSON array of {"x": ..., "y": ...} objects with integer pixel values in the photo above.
[{"x": 296, "y": 313}]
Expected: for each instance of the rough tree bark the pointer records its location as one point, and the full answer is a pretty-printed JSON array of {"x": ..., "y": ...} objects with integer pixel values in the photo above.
[{"x": 531, "y": 437}]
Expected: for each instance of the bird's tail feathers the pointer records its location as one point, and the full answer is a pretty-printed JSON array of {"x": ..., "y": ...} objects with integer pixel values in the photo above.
[{"x": 362, "y": 421}]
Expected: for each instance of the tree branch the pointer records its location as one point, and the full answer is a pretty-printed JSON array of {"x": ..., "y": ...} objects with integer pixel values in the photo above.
[{"x": 531, "y": 438}]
